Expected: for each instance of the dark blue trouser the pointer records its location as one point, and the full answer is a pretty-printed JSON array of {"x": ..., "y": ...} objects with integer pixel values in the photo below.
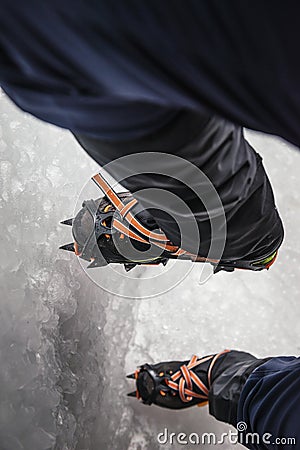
[{"x": 270, "y": 405}]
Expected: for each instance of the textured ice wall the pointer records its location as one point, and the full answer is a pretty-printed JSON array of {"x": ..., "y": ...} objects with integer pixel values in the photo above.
[
  {"x": 65, "y": 345},
  {"x": 53, "y": 319}
]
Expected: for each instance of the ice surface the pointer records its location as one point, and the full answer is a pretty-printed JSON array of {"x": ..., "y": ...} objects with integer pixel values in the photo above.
[{"x": 66, "y": 345}]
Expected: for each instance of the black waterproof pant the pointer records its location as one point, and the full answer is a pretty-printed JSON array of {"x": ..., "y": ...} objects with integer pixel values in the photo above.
[{"x": 218, "y": 148}]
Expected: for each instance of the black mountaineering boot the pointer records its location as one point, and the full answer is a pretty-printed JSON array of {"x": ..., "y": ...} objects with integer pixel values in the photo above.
[{"x": 215, "y": 379}]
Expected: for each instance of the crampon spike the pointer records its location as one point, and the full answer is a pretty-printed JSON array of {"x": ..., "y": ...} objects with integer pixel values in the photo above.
[
  {"x": 132, "y": 394},
  {"x": 93, "y": 264},
  {"x": 68, "y": 247},
  {"x": 131, "y": 375},
  {"x": 67, "y": 222},
  {"x": 129, "y": 266}
]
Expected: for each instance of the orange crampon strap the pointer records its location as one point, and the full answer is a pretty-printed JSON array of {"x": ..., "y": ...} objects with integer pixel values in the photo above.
[
  {"x": 185, "y": 378},
  {"x": 124, "y": 210},
  {"x": 141, "y": 233}
]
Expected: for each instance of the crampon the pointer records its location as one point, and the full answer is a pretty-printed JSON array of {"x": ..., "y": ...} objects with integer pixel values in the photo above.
[
  {"x": 175, "y": 384},
  {"x": 116, "y": 229}
]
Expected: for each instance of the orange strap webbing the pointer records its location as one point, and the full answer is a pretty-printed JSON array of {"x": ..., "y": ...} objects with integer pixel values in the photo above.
[
  {"x": 141, "y": 233},
  {"x": 157, "y": 238},
  {"x": 183, "y": 380}
]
